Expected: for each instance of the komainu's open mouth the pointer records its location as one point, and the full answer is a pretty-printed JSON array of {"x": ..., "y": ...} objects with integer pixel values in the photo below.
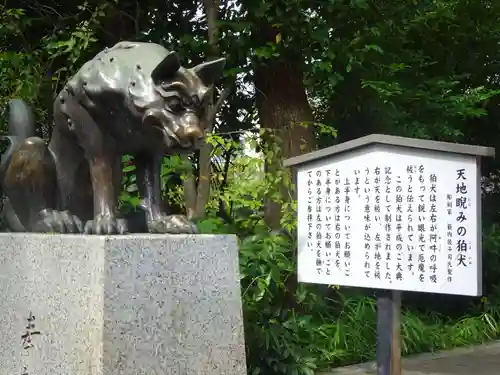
[
  {"x": 179, "y": 134},
  {"x": 158, "y": 118}
]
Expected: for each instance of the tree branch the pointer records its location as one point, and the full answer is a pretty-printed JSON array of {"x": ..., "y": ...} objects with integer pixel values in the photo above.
[{"x": 217, "y": 106}]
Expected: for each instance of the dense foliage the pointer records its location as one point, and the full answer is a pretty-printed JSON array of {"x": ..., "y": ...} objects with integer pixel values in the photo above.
[{"x": 301, "y": 75}]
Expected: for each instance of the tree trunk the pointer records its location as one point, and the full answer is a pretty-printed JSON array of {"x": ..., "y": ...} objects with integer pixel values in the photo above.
[
  {"x": 198, "y": 197},
  {"x": 189, "y": 184},
  {"x": 285, "y": 112}
]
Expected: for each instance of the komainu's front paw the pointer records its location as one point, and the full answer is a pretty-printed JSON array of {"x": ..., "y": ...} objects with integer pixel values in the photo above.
[
  {"x": 53, "y": 221},
  {"x": 106, "y": 224},
  {"x": 173, "y": 224}
]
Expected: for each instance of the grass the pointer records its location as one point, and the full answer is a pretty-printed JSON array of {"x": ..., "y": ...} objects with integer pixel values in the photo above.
[
  {"x": 355, "y": 332},
  {"x": 301, "y": 343}
]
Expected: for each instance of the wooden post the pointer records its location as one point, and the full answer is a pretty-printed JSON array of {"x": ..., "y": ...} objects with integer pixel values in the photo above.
[
  {"x": 396, "y": 333},
  {"x": 384, "y": 333},
  {"x": 388, "y": 333}
]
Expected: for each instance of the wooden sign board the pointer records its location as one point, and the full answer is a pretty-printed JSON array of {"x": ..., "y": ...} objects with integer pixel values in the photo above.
[{"x": 391, "y": 213}]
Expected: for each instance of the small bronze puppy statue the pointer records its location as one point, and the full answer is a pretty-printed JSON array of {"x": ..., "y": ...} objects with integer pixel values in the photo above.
[{"x": 133, "y": 98}]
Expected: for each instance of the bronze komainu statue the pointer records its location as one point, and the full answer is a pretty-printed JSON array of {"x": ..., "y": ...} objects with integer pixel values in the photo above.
[{"x": 133, "y": 98}]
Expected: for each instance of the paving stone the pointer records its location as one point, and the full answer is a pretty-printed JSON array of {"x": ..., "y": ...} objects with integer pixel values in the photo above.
[{"x": 475, "y": 360}]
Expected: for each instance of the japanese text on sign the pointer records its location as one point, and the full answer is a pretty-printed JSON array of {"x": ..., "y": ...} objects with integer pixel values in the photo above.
[{"x": 391, "y": 221}]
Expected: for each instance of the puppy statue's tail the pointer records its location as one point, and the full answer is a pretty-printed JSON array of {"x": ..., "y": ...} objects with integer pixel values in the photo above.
[{"x": 21, "y": 126}]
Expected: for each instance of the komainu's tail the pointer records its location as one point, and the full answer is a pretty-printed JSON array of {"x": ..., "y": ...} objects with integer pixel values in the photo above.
[{"x": 21, "y": 126}]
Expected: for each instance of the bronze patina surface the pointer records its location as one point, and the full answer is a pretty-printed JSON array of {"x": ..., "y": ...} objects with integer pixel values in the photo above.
[{"x": 133, "y": 98}]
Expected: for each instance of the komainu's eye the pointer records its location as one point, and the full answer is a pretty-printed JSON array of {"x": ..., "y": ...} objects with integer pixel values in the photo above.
[{"x": 175, "y": 104}]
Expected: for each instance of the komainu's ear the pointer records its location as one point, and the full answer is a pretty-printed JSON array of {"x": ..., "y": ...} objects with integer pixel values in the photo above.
[
  {"x": 166, "y": 68},
  {"x": 210, "y": 71}
]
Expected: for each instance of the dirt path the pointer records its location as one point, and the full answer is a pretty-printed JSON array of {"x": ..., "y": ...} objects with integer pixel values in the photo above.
[{"x": 476, "y": 360}]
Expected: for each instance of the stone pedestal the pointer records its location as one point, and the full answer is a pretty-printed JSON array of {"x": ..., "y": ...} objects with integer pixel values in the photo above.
[{"x": 124, "y": 305}]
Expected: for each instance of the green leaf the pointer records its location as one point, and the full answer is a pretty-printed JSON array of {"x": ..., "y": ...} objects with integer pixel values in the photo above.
[{"x": 129, "y": 168}]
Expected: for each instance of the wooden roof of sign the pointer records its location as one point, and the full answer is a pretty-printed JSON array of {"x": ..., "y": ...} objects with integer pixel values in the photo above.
[{"x": 390, "y": 140}]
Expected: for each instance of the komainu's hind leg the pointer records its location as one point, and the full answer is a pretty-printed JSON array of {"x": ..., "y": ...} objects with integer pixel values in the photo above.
[{"x": 30, "y": 185}]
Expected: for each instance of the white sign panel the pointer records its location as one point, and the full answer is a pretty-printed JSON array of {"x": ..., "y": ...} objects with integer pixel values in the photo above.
[{"x": 391, "y": 218}]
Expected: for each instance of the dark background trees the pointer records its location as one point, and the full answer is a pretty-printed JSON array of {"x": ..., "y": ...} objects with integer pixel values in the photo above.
[{"x": 300, "y": 75}]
